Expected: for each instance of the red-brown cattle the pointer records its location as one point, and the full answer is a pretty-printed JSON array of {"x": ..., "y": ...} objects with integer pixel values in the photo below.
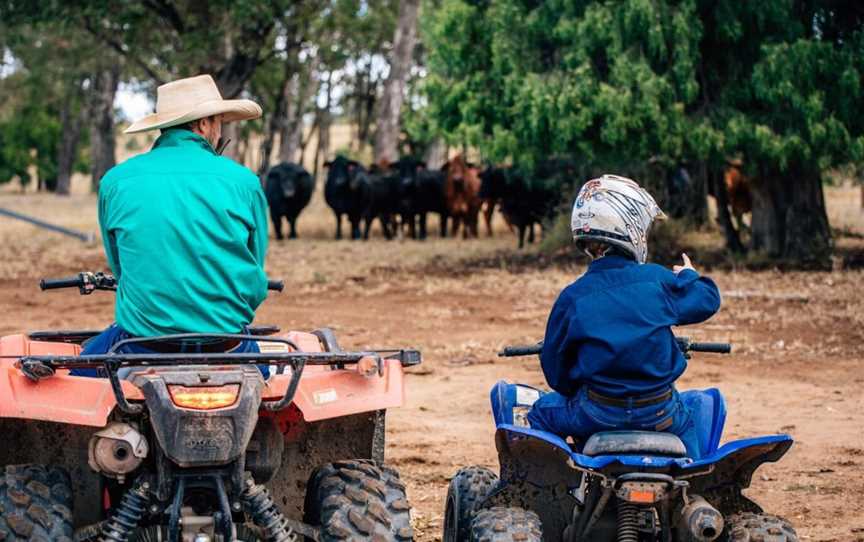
[
  {"x": 462, "y": 196},
  {"x": 738, "y": 191}
]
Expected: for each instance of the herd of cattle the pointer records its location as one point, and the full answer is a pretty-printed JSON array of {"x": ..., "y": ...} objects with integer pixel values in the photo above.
[{"x": 401, "y": 195}]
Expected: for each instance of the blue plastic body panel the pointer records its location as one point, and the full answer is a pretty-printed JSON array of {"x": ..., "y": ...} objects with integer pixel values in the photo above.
[{"x": 708, "y": 406}]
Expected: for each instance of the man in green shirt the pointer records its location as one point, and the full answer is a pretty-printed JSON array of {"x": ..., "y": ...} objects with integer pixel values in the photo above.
[{"x": 184, "y": 229}]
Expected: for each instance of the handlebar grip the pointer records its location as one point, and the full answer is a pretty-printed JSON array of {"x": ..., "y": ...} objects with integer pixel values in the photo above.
[
  {"x": 513, "y": 351},
  {"x": 714, "y": 348},
  {"x": 276, "y": 285},
  {"x": 56, "y": 284}
]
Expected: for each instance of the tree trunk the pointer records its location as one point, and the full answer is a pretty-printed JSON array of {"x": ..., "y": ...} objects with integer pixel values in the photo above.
[
  {"x": 102, "y": 142},
  {"x": 323, "y": 151},
  {"x": 789, "y": 217},
  {"x": 436, "y": 154},
  {"x": 67, "y": 149},
  {"x": 387, "y": 125},
  {"x": 301, "y": 88},
  {"x": 275, "y": 125}
]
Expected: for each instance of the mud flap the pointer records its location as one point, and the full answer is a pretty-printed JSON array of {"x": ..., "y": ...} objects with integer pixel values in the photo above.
[
  {"x": 61, "y": 445},
  {"x": 536, "y": 476},
  {"x": 733, "y": 472},
  {"x": 311, "y": 445}
]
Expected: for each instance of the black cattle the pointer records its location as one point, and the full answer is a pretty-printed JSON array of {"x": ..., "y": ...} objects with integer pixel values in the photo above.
[
  {"x": 429, "y": 198},
  {"x": 493, "y": 187},
  {"x": 348, "y": 191},
  {"x": 532, "y": 198},
  {"x": 289, "y": 188},
  {"x": 408, "y": 204},
  {"x": 384, "y": 204}
]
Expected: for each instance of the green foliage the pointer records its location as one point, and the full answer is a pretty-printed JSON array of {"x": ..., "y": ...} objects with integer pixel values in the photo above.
[
  {"x": 627, "y": 80},
  {"x": 595, "y": 80}
]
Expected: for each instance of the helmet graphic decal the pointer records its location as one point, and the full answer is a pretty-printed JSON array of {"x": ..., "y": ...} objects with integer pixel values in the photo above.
[{"x": 617, "y": 211}]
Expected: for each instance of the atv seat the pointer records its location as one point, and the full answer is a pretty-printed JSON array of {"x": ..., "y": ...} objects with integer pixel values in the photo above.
[{"x": 634, "y": 443}]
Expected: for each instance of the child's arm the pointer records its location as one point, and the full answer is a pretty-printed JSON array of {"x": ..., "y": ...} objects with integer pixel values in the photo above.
[
  {"x": 694, "y": 297},
  {"x": 558, "y": 348}
]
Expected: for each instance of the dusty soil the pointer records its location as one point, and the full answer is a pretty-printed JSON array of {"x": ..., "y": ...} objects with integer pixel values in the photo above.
[{"x": 798, "y": 366}]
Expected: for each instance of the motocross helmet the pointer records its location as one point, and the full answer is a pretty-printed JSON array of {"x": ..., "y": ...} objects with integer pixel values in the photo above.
[{"x": 615, "y": 211}]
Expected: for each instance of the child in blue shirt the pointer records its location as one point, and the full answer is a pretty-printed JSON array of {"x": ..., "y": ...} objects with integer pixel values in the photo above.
[{"x": 609, "y": 352}]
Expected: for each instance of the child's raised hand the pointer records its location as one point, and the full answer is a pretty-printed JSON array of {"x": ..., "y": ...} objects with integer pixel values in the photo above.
[{"x": 687, "y": 264}]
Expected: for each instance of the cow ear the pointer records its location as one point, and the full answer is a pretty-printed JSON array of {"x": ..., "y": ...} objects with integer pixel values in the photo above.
[{"x": 327, "y": 164}]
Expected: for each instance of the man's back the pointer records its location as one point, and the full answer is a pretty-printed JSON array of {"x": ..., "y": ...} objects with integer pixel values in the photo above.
[{"x": 185, "y": 232}]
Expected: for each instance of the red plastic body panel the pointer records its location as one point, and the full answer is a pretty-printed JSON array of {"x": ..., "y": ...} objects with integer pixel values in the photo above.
[{"x": 323, "y": 392}]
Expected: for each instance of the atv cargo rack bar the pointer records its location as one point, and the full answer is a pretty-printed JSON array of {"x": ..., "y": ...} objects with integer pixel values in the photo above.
[
  {"x": 684, "y": 344},
  {"x": 38, "y": 367}
]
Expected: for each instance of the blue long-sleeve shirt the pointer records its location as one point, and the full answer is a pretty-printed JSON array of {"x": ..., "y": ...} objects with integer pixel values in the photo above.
[{"x": 610, "y": 330}]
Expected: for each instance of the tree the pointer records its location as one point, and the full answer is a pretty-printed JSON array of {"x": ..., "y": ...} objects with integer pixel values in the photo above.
[
  {"x": 387, "y": 128},
  {"x": 619, "y": 83},
  {"x": 779, "y": 83},
  {"x": 102, "y": 144},
  {"x": 607, "y": 83}
]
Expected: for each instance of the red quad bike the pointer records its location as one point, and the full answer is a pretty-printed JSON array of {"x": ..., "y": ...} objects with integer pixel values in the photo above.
[{"x": 197, "y": 447}]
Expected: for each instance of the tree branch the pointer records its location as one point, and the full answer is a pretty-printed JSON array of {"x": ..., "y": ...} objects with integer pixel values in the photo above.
[
  {"x": 167, "y": 12},
  {"x": 117, "y": 46}
]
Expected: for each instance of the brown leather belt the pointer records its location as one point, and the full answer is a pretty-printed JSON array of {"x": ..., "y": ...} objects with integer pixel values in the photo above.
[{"x": 624, "y": 402}]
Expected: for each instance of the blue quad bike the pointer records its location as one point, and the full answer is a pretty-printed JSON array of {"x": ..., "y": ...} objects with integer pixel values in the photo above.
[{"x": 624, "y": 486}]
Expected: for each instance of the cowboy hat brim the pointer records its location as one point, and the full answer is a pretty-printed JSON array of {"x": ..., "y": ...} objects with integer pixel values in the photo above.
[{"x": 231, "y": 110}]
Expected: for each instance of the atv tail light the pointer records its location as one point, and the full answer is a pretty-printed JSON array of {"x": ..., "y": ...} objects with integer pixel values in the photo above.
[
  {"x": 642, "y": 497},
  {"x": 204, "y": 397}
]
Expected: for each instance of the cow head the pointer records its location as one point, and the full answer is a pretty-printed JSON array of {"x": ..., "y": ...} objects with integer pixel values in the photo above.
[{"x": 343, "y": 171}]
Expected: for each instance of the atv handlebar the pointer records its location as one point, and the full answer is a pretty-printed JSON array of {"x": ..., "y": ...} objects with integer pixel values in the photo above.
[
  {"x": 712, "y": 348},
  {"x": 513, "y": 351},
  {"x": 684, "y": 345},
  {"x": 56, "y": 284},
  {"x": 87, "y": 283}
]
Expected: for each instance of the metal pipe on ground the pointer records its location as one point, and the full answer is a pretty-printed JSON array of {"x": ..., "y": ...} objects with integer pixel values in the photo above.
[{"x": 86, "y": 237}]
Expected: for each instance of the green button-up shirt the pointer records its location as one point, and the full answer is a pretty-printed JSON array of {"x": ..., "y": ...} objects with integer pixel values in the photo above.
[{"x": 185, "y": 232}]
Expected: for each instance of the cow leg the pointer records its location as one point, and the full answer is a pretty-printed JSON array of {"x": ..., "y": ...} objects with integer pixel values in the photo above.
[
  {"x": 531, "y": 233},
  {"x": 488, "y": 209},
  {"x": 422, "y": 219},
  {"x": 277, "y": 225},
  {"x": 367, "y": 226},
  {"x": 521, "y": 236},
  {"x": 355, "y": 227},
  {"x": 386, "y": 227},
  {"x": 475, "y": 221},
  {"x": 456, "y": 221},
  {"x": 412, "y": 224},
  {"x": 293, "y": 223},
  {"x": 338, "y": 226}
]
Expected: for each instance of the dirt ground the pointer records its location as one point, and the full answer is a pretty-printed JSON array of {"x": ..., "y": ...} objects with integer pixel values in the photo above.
[{"x": 798, "y": 365}]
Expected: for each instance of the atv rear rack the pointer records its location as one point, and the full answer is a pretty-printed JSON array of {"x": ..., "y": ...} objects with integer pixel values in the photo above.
[{"x": 39, "y": 367}]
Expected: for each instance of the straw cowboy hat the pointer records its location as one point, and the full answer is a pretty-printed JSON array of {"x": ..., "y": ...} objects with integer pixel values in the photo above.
[{"x": 193, "y": 98}]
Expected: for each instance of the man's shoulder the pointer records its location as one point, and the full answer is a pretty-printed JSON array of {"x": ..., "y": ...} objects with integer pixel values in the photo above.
[
  {"x": 130, "y": 167},
  {"x": 237, "y": 171}
]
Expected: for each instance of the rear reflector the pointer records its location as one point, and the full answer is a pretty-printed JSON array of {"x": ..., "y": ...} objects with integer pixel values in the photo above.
[
  {"x": 642, "y": 497},
  {"x": 204, "y": 397}
]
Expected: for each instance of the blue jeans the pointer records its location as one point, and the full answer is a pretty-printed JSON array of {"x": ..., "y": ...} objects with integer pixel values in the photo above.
[
  {"x": 580, "y": 417},
  {"x": 102, "y": 343}
]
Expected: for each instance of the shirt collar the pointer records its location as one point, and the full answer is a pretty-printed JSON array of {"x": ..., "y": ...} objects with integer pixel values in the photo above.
[
  {"x": 610, "y": 262},
  {"x": 180, "y": 137}
]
